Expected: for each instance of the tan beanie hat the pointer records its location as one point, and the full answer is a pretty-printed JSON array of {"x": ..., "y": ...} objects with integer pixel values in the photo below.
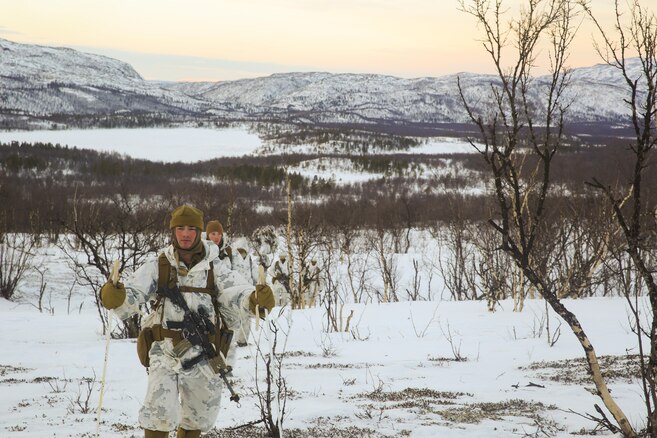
[
  {"x": 213, "y": 226},
  {"x": 186, "y": 215}
]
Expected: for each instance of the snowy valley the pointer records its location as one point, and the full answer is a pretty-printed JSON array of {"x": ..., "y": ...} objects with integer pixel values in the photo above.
[{"x": 473, "y": 282}]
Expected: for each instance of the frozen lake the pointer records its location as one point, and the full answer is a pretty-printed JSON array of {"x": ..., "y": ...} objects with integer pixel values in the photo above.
[
  {"x": 189, "y": 145},
  {"x": 156, "y": 144}
]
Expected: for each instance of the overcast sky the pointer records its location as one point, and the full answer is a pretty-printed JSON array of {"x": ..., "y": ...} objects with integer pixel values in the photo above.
[{"x": 230, "y": 39}]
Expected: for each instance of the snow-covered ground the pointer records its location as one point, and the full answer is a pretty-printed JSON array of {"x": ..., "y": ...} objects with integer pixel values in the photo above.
[
  {"x": 394, "y": 374},
  {"x": 343, "y": 171},
  {"x": 443, "y": 145}
]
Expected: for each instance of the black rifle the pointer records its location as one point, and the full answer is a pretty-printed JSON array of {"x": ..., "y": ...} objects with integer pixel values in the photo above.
[
  {"x": 196, "y": 327},
  {"x": 285, "y": 281}
]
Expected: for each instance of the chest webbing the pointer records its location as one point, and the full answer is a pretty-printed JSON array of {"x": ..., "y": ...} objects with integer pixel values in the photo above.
[{"x": 168, "y": 277}]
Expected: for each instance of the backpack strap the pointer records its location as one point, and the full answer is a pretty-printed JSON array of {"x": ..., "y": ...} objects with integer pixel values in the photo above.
[
  {"x": 165, "y": 276},
  {"x": 210, "y": 283}
]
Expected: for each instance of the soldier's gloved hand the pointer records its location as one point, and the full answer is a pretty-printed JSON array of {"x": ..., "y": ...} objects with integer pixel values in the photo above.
[
  {"x": 263, "y": 297},
  {"x": 112, "y": 296}
]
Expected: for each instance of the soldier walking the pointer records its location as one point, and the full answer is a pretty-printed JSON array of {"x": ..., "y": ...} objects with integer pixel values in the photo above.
[
  {"x": 192, "y": 288},
  {"x": 244, "y": 265},
  {"x": 280, "y": 275},
  {"x": 312, "y": 282}
]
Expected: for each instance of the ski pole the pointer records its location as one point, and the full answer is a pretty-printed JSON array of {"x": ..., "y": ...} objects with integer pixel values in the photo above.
[
  {"x": 114, "y": 277},
  {"x": 234, "y": 397}
]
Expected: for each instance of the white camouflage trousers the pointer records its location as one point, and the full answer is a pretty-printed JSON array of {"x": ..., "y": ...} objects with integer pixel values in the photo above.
[
  {"x": 280, "y": 294},
  {"x": 244, "y": 328},
  {"x": 179, "y": 398}
]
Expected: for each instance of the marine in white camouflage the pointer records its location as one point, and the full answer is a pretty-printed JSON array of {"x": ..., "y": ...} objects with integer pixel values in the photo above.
[
  {"x": 280, "y": 276},
  {"x": 178, "y": 396},
  {"x": 243, "y": 264},
  {"x": 312, "y": 282}
]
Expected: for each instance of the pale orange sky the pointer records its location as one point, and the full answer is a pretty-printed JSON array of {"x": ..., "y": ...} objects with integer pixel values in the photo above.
[{"x": 230, "y": 39}]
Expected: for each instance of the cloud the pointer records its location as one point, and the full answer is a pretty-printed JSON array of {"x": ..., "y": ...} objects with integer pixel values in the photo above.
[
  {"x": 7, "y": 31},
  {"x": 192, "y": 68}
]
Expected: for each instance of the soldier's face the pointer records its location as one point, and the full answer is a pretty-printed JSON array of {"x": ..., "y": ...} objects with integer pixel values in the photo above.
[
  {"x": 185, "y": 236},
  {"x": 215, "y": 236}
]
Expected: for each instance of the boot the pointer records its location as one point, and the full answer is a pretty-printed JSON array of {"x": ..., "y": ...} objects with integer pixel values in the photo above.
[
  {"x": 182, "y": 433},
  {"x": 155, "y": 434}
]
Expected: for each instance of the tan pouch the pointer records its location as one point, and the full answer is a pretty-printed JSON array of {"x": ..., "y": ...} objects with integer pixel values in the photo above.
[
  {"x": 222, "y": 340},
  {"x": 144, "y": 342},
  {"x": 146, "y": 337}
]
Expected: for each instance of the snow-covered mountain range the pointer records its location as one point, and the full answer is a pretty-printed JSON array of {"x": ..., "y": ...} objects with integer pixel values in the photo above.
[{"x": 38, "y": 81}]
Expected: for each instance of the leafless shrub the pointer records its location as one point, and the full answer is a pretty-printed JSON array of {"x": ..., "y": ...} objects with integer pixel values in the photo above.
[
  {"x": 100, "y": 234},
  {"x": 57, "y": 386},
  {"x": 414, "y": 292},
  {"x": 16, "y": 255},
  {"x": 332, "y": 300},
  {"x": 81, "y": 402},
  {"x": 454, "y": 344},
  {"x": 381, "y": 242},
  {"x": 456, "y": 259},
  {"x": 328, "y": 349},
  {"x": 423, "y": 331},
  {"x": 41, "y": 293},
  {"x": 356, "y": 335},
  {"x": 272, "y": 399},
  {"x": 348, "y": 382}
]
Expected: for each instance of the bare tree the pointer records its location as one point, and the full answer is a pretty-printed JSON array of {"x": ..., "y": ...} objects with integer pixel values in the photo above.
[
  {"x": 16, "y": 255},
  {"x": 635, "y": 35},
  {"x": 272, "y": 397},
  {"x": 307, "y": 236},
  {"x": 495, "y": 271},
  {"x": 346, "y": 236},
  {"x": 99, "y": 233},
  {"x": 288, "y": 240},
  {"x": 456, "y": 263},
  {"x": 520, "y": 135},
  {"x": 332, "y": 300},
  {"x": 382, "y": 244}
]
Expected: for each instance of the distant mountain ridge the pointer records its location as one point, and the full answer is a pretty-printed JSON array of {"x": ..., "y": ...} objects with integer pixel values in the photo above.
[{"x": 38, "y": 82}]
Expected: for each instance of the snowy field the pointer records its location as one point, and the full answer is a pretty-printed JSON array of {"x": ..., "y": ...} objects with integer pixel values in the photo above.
[
  {"x": 189, "y": 145},
  {"x": 419, "y": 369},
  {"x": 343, "y": 171}
]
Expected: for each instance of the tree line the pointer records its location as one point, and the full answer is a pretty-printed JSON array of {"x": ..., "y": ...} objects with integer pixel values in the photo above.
[{"x": 39, "y": 181}]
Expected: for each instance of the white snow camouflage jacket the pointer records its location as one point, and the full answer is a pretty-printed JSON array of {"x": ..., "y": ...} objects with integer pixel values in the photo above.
[
  {"x": 233, "y": 289},
  {"x": 245, "y": 267}
]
